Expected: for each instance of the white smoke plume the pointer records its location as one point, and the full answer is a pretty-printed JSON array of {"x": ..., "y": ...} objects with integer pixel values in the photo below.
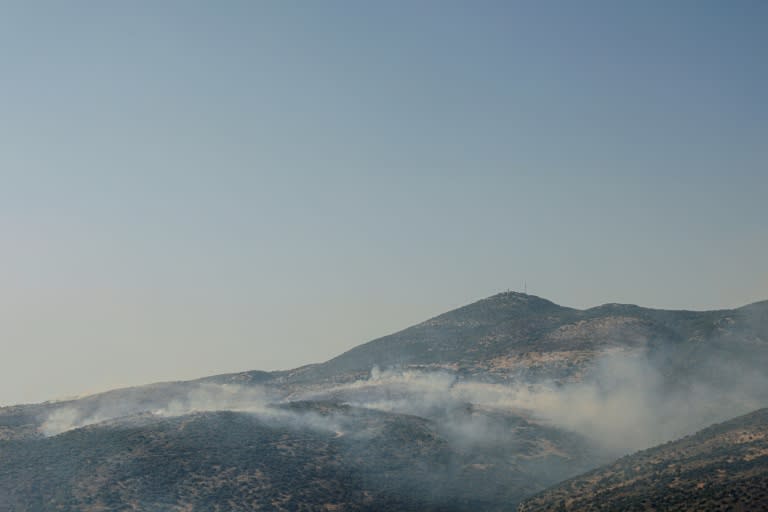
[
  {"x": 206, "y": 397},
  {"x": 623, "y": 405}
]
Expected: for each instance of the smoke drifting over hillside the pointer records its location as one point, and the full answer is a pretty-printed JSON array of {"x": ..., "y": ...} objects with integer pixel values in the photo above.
[
  {"x": 479, "y": 409},
  {"x": 206, "y": 397},
  {"x": 623, "y": 404}
]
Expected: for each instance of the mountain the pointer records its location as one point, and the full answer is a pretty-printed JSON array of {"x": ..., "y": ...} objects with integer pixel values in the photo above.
[
  {"x": 723, "y": 467},
  {"x": 475, "y": 409},
  {"x": 513, "y": 335}
]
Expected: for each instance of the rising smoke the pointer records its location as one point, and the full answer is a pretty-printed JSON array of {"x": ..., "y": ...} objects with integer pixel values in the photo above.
[
  {"x": 625, "y": 403},
  {"x": 203, "y": 397}
]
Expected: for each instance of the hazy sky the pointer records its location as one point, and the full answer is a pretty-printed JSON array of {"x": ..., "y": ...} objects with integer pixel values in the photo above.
[{"x": 189, "y": 188}]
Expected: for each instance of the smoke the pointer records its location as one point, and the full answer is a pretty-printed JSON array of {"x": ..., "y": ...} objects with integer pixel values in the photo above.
[
  {"x": 628, "y": 400},
  {"x": 497, "y": 442},
  {"x": 625, "y": 403},
  {"x": 205, "y": 397},
  {"x": 629, "y": 404}
]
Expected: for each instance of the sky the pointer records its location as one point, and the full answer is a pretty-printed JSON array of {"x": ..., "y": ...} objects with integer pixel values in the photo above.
[{"x": 190, "y": 188}]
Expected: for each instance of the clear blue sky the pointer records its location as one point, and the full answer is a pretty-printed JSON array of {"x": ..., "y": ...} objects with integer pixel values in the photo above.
[{"x": 189, "y": 188}]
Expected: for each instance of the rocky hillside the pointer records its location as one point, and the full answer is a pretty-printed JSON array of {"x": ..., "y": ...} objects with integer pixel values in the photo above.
[
  {"x": 299, "y": 456},
  {"x": 514, "y": 336},
  {"x": 723, "y": 467}
]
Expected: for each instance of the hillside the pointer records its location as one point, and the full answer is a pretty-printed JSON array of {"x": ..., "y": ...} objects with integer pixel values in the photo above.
[
  {"x": 475, "y": 409},
  {"x": 300, "y": 456},
  {"x": 723, "y": 467},
  {"x": 507, "y": 338},
  {"x": 514, "y": 335}
]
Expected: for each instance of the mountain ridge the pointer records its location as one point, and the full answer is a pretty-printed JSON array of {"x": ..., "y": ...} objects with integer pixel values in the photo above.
[
  {"x": 486, "y": 396},
  {"x": 258, "y": 376},
  {"x": 510, "y": 323},
  {"x": 503, "y": 298}
]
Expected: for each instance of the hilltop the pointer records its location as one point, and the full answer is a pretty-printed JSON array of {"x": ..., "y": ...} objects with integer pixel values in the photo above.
[{"x": 518, "y": 337}]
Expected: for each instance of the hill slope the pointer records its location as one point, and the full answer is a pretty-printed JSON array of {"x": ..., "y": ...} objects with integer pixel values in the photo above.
[
  {"x": 723, "y": 467},
  {"x": 514, "y": 336},
  {"x": 299, "y": 456}
]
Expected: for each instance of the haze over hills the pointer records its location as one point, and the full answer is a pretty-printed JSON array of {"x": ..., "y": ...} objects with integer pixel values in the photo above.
[{"x": 477, "y": 408}]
